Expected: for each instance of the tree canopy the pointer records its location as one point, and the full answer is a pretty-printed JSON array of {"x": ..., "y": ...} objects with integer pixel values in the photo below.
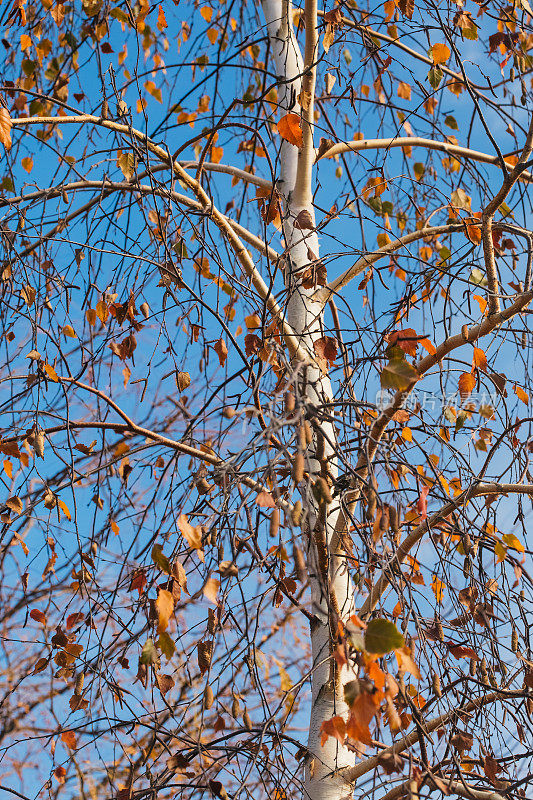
[{"x": 266, "y": 412}]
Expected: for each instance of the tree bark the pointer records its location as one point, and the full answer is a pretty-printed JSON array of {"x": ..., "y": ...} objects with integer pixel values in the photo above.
[{"x": 330, "y": 584}]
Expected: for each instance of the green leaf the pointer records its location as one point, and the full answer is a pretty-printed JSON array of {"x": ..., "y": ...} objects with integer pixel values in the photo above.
[
  {"x": 451, "y": 122},
  {"x": 166, "y": 645},
  {"x": 382, "y": 637},
  {"x": 462, "y": 416},
  {"x": 398, "y": 373},
  {"x": 478, "y": 277},
  {"x": 419, "y": 170},
  {"x": 505, "y": 210},
  {"x": 149, "y": 653},
  {"x": 160, "y": 560},
  {"x": 435, "y": 75},
  {"x": 470, "y": 32}
]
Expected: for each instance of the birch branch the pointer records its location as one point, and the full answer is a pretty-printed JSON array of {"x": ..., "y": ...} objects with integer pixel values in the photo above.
[
  {"x": 410, "y": 739},
  {"x": 481, "y": 490},
  {"x": 296, "y": 350},
  {"x": 454, "y": 150}
]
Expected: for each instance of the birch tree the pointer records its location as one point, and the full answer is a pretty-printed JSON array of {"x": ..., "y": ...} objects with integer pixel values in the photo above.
[{"x": 266, "y": 421}]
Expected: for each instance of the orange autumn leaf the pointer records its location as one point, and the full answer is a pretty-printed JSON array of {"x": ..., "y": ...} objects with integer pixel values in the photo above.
[
  {"x": 480, "y": 359},
  {"x": 289, "y": 129},
  {"x": 69, "y": 738},
  {"x": 38, "y": 616},
  {"x": 406, "y": 662},
  {"x": 335, "y": 727},
  {"x": 161, "y": 20},
  {"x": 5, "y": 128},
  {"x": 440, "y": 53},
  {"x": 27, "y": 163},
  {"x": 467, "y": 381},
  {"x": 362, "y": 712},
  {"x": 523, "y": 396},
  {"x": 473, "y": 228}
]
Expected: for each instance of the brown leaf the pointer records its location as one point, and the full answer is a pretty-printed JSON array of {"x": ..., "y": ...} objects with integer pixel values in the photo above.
[
  {"x": 265, "y": 500},
  {"x": 304, "y": 221},
  {"x": 391, "y": 762},
  {"x": 183, "y": 381},
  {"x": 15, "y": 504},
  {"x": 462, "y": 741},
  {"x": 324, "y": 146},
  {"x": 178, "y": 761},
  {"x": 326, "y": 349},
  {"x": 221, "y": 350},
  {"x": 491, "y": 768},
  {"x": 205, "y": 653},
  {"x": 407, "y": 7},
  {"x": 165, "y": 683}
]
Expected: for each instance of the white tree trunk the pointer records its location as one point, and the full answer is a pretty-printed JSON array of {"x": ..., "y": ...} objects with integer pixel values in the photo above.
[{"x": 332, "y": 585}]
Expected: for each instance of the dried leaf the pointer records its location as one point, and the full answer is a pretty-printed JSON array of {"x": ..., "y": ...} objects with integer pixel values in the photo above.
[{"x": 5, "y": 128}]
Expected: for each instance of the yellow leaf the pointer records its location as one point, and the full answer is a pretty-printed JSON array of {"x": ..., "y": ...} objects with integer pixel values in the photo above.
[
  {"x": 511, "y": 541},
  {"x": 154, "y": 90},
  {"x": 69, "y": 332},
  {"x": 438, "y": 588},
  {"x": 210, "y": 590},
  {"x": 206, "y": 13},
  {"x": 65, "y": 509},
  {"x": 164, "y": 606},
  {"x": 407, "y": 434},
  {"x": 192, "y": 534},
  {"x": 404, "y": 91},
  {"x": 25, "y": 41},
  {"x": 383, "y": 239},
  {"x": 50, "y": 371},
  {"x": 500, "y": 551},
  {"x": 27, "y": 164},
  {"x": 15, "y": 504}
]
